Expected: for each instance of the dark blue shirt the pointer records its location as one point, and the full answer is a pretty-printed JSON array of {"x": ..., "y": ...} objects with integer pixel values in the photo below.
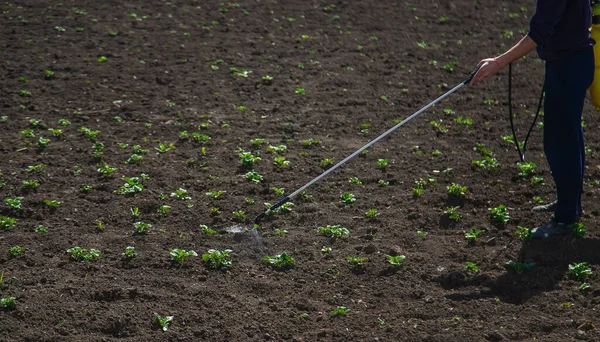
[{"x": 561, "y": 27}]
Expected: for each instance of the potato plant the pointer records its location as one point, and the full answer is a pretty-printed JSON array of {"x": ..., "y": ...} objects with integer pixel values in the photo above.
[{"x": 214, "y": 258}]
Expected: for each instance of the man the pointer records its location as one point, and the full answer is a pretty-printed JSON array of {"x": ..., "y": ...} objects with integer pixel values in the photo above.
[{"x": 560, "y": 32}]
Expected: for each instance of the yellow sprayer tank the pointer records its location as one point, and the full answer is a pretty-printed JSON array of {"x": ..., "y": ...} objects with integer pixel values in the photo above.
[{"x": 595, "y": 87}]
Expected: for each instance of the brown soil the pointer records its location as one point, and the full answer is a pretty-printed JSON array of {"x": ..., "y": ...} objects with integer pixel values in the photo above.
[{"x": 158, "y": 79}]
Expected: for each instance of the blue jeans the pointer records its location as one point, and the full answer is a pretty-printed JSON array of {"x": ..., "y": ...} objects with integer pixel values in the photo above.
[{"x": 567, "y": 81}]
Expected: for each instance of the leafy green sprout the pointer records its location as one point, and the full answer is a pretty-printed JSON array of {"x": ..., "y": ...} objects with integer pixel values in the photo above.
[
  {"x": 181, "y": 194},
  {"x": 371, "y": 214},
  {"x": 308, "y": 143},
  {"x": 7, "y": 303},
  {"x": 326, "y": 163},
  {"x": 267, "y": 79},
  {"x": 300, "y": 91},
  {"x": 51, "y": 203},
  {"x": 334, "y": 232},
  {"x": 276, "y": 149},
  {"x": 257, "y": 141},
  {"x": 526, "y": 169},
  {"x": 43, "y": 142},
  {"x": 422, "y": 234},
  {"x": 383, "y": 163},
  {"x": 518, "y": 267},
  {"x": 7, "y": 223},
  {"x": 248, "y": 159},
  {"x": 396, "y": 261},
  {"x": 135, "y": 212},
  {"x": 132, "y": 186},
  {"x": 339, "y": 311},
  {"x": 355, "y": 180},
  {"x": 326, "y": 250},
  {"x": 281, "y": 232},
  {"x": 15, "y": 251},
  {"x": 141, "y": 227},
  {"x": 40, "y": 229},
  {"x": 181, "y": 255},
  {"x": 240, "y": 215},
  {"x": 80, "y": 254},
  {"x": 457, "y": 190},
  {"x": 578, "y": 230},
  {"x": 217, "y": 259},
  {"x": 56, "y": 132},
  {"x": 129, "y": 252},
  {"x": 215, "y": 194},
  {"x": 14, "y": 203},
  {"x": 347, "y": 198},
  {"x": 282, "y": 261},
  {"x": 499, "y": 214},
  {"x": 524, "y": 233},
  {"x": 383, "y": 183},
  {"x": 471, "y": 266},
  {"x": 163, "y": 209},
  {"x": 453, "y": 213},
  {"x": 581, "y": 271},
  {"x": 106, "y": 170},
  {"x": 163, "y": 321},
  {"x": 473, "y": 235},
  {"x": 356, "y": 261},
  {"x": 281, "y": 162},
  {"x": 207, "y": 230}
]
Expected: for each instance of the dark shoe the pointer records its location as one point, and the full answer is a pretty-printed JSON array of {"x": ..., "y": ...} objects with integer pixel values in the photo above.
[
  {"x": 551, "y": 229},
  {"x": 551, "y": 207},
  {"x": 545, "y": 208}
]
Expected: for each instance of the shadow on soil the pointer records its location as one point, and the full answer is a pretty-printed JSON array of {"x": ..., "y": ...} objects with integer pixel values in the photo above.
[{"x": 551, "y": 258}]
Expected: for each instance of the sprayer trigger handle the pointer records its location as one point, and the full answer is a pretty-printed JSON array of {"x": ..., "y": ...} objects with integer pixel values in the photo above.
[{"x": 470, "y": 78}]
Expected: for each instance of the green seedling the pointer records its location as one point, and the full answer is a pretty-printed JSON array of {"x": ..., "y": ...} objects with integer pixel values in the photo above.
[
  {"x": 134, "y": 159},
  {"x": 422, "y": 234},
  {"x": 132, "y": 186},
  {"x": 308, "y": 143},
  {"x": 207, "y": 230},
  {"x": 106, "y": 170},
  {"x": 129, "y": 253},
  {"x": 535, "y": 180},
  {"x": 355, "y": 180},
  {"x": 14, "y": 203},
  {"x": 165, "y": 147},
  {"x": 578, "y": 230},
  {"x": 457, "y": 190},
  {"x": 89, "y": 133},
  {"x": 278, "y": 191},
  {"x": 526, "y": 169},
  {"x": 276, "y": 149},
  {"x": 181, "y": 194},
  {"x": 15, "y": 251},
  {"x": 248, "y": 159},
  {"x": 326, "y": 250},
  {"x": 339, "y": 311},
  {"x": 79, "y": 254},
  {"x": 518, "y": 267},
  {"x": 281, "y": 261},
  {"x": 471, "y": 266},
  {"x": 453, "y": 213},
  {"x": 40, "y": 229},
  {"x": 257, "y": 141},
  {"x": 135, "y": 212},
  {"x": 383, "y": 164},
  {"x": 473, "y": 235},
  {"x": 215, "y": 194},
  {"x": 396, "y": 261},
  {"x": 180, "y": 255},
  {"x": 163, "y": 209},
  {"x": 334, "y": 232},
  {"x": 240, "y": 215},
  {"x": 215, "y": 212},
  {"x": 43, "y": 142},
  {"x": 7, "y": 303},
  {"x": 347, "y": 198},
  {"x": 326, "y": 163},
  {"x": 281, "y": 162},
  {"x": 141, "y": 227},
  {"x": 64, "y": 122},
  {"x": 137, "y": 149},
  {"x": 581, "y": 271},
  {"x": 356, "y": 261},
  {"x": 217, "y": 259},
  {"x": 163, "y": 321},
  {"x": 487, "y": 164},
  {"x": 254, "y": 177},
  {"x": 523, "y": 233},
  {"x": 31, "y": 183},
  {"x": 36, "y": 168},
  {"x": 7, "y": 223},
  {"x": 199, "y": 137},
  {"x": 371, "y": 214},
  {"x": 52, "y": 203},
  {"x": 499, "y": 214},
  {"x": 281, "y": 232},
  {"x": 438, "y": 126},
  {"x": 56, "y": 132}
]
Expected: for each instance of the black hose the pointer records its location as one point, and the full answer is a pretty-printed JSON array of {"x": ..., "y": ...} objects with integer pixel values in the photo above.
[{"x": 510, "y": 115}]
